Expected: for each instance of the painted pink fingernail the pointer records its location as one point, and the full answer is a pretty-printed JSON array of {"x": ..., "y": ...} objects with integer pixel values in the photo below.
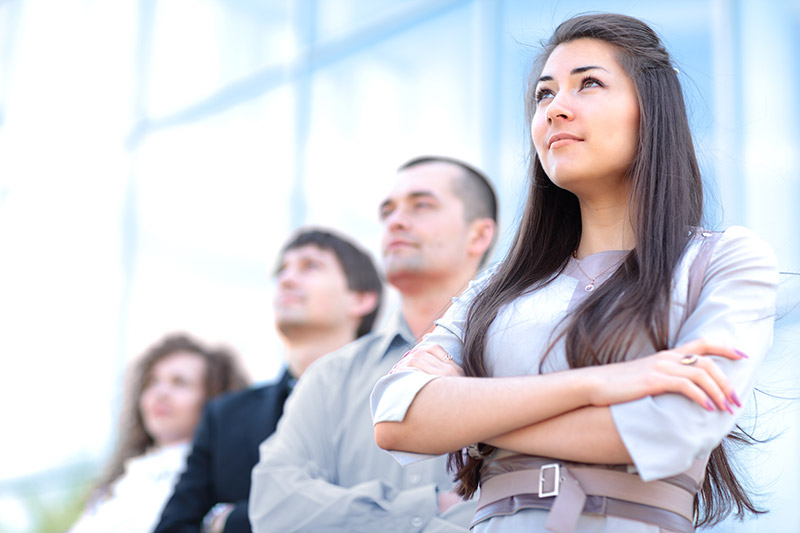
[
  {"x": 736, "y": 399},
  {"x": 742, "y": 354},
  {"x": 728, "y": 407},
  {"x": 710, "y": 406}
]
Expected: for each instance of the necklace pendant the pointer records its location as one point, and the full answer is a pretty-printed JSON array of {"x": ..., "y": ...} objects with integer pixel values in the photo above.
[{"x": 589, "y": 287}]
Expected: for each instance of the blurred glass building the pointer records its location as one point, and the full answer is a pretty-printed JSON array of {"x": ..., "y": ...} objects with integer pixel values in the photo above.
[{"x": 154, "y": 155}]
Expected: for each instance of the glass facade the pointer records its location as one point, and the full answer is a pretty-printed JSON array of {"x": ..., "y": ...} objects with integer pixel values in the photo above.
[{"x": 155, "y": 156}]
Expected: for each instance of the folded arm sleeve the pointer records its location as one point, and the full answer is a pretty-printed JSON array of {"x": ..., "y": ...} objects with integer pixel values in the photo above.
[
  {"x": 394, "y": 393},
  {"x": 294, "y": 485},
  {"x": 665, "y": 433}
]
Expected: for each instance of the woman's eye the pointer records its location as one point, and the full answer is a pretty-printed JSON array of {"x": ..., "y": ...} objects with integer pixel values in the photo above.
[
  {"x": 591, "y": 82},
  {"x": 541, "y": 94},
  {"x": 180, "y": 382}
]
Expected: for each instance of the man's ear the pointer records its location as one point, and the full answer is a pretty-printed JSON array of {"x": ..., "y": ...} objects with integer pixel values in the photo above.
[
  {"x": 481, "y": 236},
  {"x": 363, "y": 303}
]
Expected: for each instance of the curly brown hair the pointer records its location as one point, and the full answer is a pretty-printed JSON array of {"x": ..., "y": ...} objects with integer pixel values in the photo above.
[{"x": 224, "y": 373}]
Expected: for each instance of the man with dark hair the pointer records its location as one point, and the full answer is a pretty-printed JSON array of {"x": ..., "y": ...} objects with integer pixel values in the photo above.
[
  {"x": 328, "y": 293},
  {"x": 359, "y": 270},
  {"x": 321, "y": 470},
  {"x": 472, "y": 186}
]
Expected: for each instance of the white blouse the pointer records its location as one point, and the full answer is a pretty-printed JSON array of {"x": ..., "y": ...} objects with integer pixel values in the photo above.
[{"x": 138, "y": 496}]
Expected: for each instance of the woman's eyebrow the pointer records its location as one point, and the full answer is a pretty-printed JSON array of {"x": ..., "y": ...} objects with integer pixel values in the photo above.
[
  {"x": 579, "y": 70},
  {"x": 576, "y": 70}
]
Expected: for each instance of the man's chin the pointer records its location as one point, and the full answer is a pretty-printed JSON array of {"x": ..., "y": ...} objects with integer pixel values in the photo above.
[
  {"x": 399, "y": 270},
  {"x": 287, "y": 324},
  {"x": 399, "y": 262}
]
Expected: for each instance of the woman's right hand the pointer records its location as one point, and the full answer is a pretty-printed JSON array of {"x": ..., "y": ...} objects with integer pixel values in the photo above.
[
  {"x": 698, "y": 378},
  {"x": 431, "y": 359}
]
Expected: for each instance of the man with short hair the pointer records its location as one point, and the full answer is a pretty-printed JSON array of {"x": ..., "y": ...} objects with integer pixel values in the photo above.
[
  {"x": 321, "y": 470},
  {"x": 328, "y": 293}
]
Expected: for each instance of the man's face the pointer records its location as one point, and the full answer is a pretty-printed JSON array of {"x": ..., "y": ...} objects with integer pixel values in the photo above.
[
  {"x": 311, "y": 290},
  {"x": 424, "y": 231}
]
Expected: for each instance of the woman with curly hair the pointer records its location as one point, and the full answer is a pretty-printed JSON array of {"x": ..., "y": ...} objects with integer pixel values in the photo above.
[{"x": 167, "y": 390}]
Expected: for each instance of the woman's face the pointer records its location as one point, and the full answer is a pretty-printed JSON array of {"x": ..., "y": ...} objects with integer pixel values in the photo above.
[
  {"x": 173, "y": 397},
  {"x": 585, "y": 127}
]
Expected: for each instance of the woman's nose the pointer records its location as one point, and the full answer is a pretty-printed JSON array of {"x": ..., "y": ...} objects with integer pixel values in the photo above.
[{"x": 559, "y": 107}]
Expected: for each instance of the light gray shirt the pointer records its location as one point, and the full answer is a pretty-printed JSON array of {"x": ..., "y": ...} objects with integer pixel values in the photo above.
[
  {"x": 322, "y": 471},
  {"x": 664, "y": 434}
]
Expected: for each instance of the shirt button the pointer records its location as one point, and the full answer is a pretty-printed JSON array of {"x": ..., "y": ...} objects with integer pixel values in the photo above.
[
  {"x": 414, "y": 479},
  {"x": 416, "y": 521}
]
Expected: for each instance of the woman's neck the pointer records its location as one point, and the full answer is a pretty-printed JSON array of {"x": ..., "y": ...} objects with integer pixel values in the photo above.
[
  {"x": 172, "y": 443},
  {"x": 605, "y": 226}
]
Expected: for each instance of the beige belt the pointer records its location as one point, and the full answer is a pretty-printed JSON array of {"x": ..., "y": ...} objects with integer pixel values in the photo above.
[{"x": 564, "y": 490}]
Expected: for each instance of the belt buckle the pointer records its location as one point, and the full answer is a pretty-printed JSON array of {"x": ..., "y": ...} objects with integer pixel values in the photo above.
[{"x": 556, "y": 470}]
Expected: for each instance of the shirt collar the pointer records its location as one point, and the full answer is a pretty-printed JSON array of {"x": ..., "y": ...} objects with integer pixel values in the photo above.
[{"x": 395, "y": 332}]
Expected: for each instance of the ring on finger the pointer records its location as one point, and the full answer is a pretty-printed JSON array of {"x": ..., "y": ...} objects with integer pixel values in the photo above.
[
  {"x": 689, "y": 359},
  {"x": 447, "y": 357}
]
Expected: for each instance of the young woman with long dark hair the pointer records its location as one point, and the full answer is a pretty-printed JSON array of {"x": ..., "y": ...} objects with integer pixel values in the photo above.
[{"x": 621, "y": 337}]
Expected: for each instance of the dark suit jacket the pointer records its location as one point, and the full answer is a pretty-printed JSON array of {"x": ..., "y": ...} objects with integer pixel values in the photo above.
[{"x": 224, "y": 451}]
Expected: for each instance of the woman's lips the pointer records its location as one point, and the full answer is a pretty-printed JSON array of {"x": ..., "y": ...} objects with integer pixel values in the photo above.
[{"x": 562, "y": 139}]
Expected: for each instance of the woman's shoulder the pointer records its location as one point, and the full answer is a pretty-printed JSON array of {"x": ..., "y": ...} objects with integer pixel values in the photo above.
[
  {"x": 479, "y": 283},
  {"x": 733, "y": 249},
  {"x": 741, "y": 243},
  {"x": 487, "y": 273}
]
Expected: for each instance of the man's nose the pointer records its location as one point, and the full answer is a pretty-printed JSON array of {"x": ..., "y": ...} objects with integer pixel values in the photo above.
[
  {"x": 287, "y": 277},
  {"x": 398, "y": 219}
]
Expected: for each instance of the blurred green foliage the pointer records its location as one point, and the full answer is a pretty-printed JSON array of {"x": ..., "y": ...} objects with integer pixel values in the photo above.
[{"x": 52, "y": 502}]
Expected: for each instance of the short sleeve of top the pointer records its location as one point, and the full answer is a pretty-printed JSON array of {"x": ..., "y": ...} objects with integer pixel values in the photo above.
[
  {"x": 394, "y": 393},
  {"x": 736, "y": 308}
]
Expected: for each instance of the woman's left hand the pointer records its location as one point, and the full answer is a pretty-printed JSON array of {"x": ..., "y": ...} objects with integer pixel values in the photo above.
[
  {"x": 685, "y": 370},
  {"x": 432, "y": 360}
]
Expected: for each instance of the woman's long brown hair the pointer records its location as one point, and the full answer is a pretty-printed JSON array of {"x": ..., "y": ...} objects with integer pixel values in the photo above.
[{"x": 666, "y": 200}]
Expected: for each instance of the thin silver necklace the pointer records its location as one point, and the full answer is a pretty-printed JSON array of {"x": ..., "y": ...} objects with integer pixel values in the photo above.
[{"x": 590, "y": 287}]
